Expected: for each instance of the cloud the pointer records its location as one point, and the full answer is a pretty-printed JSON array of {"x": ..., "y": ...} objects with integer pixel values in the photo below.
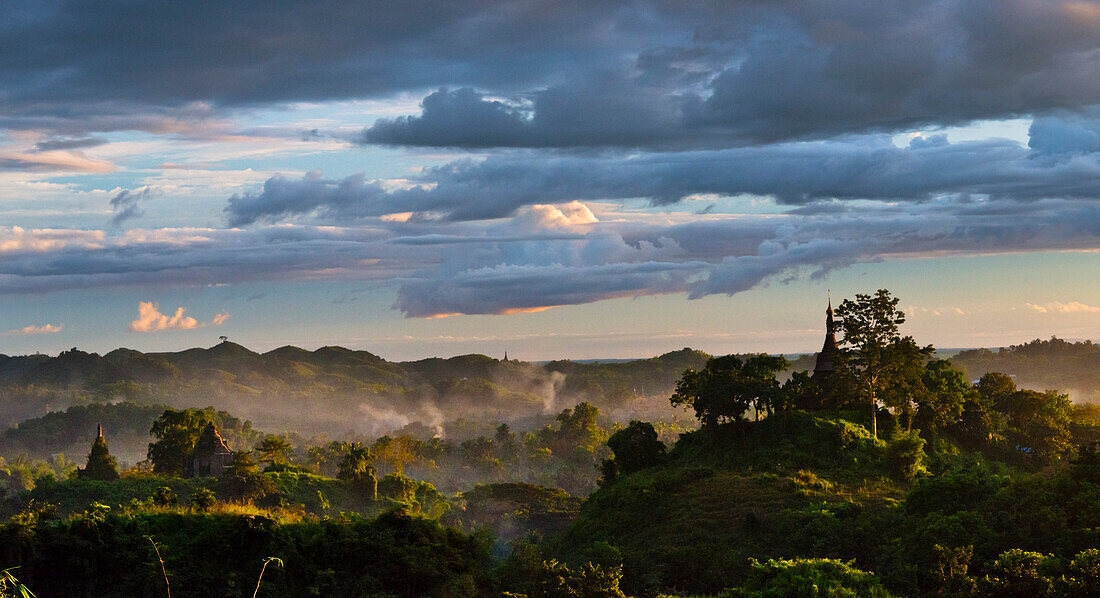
[
  {"x": 20, "y": 240},
  {"x": 76, "y": 67},
  {"x": 281, "y": 198},
  {"x": 43, "y": 329},
  {"x": 610, "y": 111},
  {"x": 1071, "y": 307},
  {"x": 652, "y": 73},
  {"x": 125, "y": 203},
  {"x": 854, "y": 168},
  {"x": 53, "y": 161},
  {"x": 68, "y": 143},
  {"x": 570, "y": 216},
  {"x": 543, "y": 256},
  {"x": 845, "y": 68},
  {"x": 151, "y": 320}
]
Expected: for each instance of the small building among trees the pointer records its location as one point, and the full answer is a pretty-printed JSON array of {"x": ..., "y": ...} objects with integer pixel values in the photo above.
[{"x": 212, "y": 454}]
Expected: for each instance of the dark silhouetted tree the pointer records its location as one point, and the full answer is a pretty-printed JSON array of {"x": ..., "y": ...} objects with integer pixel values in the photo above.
[
  {"x": 727, "y": 387},
  {"x": 634, "y": 448}
]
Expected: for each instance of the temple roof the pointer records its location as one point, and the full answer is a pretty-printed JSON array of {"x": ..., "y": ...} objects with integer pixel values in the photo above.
[{"x": 211, "y": 442}]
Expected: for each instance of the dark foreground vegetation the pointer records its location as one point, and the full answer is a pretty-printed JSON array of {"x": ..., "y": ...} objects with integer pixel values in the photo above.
[{"x": 895, "y": 474}]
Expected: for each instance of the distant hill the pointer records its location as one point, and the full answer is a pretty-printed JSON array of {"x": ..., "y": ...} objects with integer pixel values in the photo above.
[
  {"x": 332, "y": 389},
  {"x": 1072, "y": 367}
]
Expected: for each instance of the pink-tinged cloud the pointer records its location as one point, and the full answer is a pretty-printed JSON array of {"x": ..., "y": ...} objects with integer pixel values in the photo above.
[
  {"x": 54, "y": 161},
  {"x": 151, "y": 320},
  {"x": 43, "y": 329},
  {"x": 1057, "y": 307}
]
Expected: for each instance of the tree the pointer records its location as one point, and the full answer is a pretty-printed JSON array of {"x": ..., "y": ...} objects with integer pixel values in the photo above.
[
  {"x": 635, "y": 447},
  {"x": 274, "y": 450},
  {"x": 874, "y": 346},
  {"x": 176, "y": 432},
  {"x": 553, "y": 579},
  {"x": 995, "y": 386},
  {"x": 980, "y": 424},
  {"x": 1018, "y": 574},
  {"x": 726, "y": 387},
  {"x": 242, "y": 479},
  {"x": 398, "y": 487},
  {"x": 356, "y": 469},
  {"x": 101, "y": 465},
  {"x": 905, "y": 455},
  {"x": 808, "y": 577},
  {"x": 1038, "y": 424},
  {"x": 945, "y": 394}
]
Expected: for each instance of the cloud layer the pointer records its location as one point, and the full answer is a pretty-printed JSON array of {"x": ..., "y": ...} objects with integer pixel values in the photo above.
[
  {"x": 1060, "y": 163},
  {"x": 593, "y": 150},
  {"x": 555, "y": 74}
]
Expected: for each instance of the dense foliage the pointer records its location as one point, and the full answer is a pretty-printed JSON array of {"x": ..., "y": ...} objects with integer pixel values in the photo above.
[{"x": 896, "y": 475}]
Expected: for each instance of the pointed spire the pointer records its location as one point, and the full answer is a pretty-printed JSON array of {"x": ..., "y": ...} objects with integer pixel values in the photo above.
[
  {"x": 824, "y": 365},
  {"x": 99, "y": 430}
]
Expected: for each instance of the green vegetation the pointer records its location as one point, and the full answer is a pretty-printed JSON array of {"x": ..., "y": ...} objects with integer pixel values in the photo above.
[{"x": 891, "y": 476}]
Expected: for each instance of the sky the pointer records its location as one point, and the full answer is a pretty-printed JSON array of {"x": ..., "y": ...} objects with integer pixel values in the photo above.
[{"x": 551, "y": 179}]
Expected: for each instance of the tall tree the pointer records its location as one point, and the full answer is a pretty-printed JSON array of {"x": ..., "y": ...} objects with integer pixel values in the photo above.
[{"x": 875, "y": 347}]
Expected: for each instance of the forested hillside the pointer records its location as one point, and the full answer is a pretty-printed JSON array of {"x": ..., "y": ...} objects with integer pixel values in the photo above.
[
  {"x": 332, "y": 389},
  {"x": 893, "y": 474},
  {"x": 1072, "y": 367}
]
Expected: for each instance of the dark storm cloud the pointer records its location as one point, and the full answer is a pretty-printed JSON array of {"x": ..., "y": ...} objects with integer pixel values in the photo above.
[
  {"x": 864, "y": 167},
  {"x": 571, "y": 74},
  {"x": 761, "y": 72},
  {"x": 610, "y": 113},
  {"x": 67, "y": 62}
]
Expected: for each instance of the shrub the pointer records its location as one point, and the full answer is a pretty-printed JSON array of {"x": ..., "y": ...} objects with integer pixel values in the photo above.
[
  {"x": 202, "y": 499},
  {"x": 905, "y": 456},
  {"x": 165, "y": 497},
  {"x": 797, "y": 578}
]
